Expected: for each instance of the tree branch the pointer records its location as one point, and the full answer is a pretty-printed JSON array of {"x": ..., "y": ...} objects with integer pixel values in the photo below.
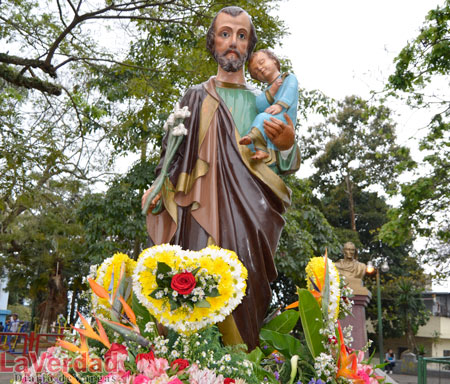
[
  {"x": 34, "y": 63},
  {"x": 12, "y": 76}
]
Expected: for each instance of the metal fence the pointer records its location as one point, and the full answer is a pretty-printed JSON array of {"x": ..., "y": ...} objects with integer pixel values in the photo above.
[{"x": 441, "y": 373}]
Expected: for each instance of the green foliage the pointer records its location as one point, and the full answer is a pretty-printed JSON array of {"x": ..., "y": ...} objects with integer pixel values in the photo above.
[
  {"x": 359, "y": 143},
  {"x": 305, "y": 235},
  {"x": 113, "y": 221},
  {"x": 283, "y": 323},
  {"x": 45, "y": 245},
  {"x": 312, "y": 321}
]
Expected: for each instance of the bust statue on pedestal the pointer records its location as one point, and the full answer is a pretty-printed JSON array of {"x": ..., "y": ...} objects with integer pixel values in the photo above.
[
  {"x": 352, "y": 269},
  {"x": 353, "y": 272}
]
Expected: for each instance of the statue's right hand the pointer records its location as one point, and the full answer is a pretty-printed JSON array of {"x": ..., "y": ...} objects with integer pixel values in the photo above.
[{"x": 153, "y": 202}]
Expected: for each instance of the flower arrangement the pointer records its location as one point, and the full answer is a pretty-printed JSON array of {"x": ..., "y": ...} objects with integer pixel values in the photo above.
[
  {"x": 317, "y": 271},
  {"x": 187, "y": 291},
  {"x": 192, "y": 290},
  {"x": 107, "y": 276}
]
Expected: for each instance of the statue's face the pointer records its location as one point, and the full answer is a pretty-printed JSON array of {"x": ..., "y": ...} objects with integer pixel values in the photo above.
[
  {"x": 262, "y": 67},
  {"x": 349, "y": 252},
  {"x": 231, "y": 41}
]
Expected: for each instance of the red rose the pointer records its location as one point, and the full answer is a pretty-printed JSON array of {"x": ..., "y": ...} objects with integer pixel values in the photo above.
[
  {"x": 228, "y": 381},
  {"x": 149, "y": 356},
  {"x": 183, "y": 283},
  {"x": 180, "y": 363}
]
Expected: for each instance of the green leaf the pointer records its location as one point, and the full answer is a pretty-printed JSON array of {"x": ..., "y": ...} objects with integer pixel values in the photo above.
[
  {"x": 162, "y": 268},
  {"x": 194, "y": 272},
  {"x": 203, "y": 304},
  {"x": 287, "y": 345},
  {"x": 312, "y": 322},
  {"x": 213, "y": 293},
  {"x": 256, "y": 355},
  {"x": 173, "y": 304},
  {"x": 143, "y": 317},
  {"x": 116, "y": 307},
  {"x": 284, "y": 323},
  {"x": 126, "y": 333},
  {"x": 154, "y": 293},
  {"x": 263, "y": 375}
]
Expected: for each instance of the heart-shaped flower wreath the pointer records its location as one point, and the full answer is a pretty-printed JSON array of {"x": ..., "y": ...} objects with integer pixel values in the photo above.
[{"x": 187, "y": 290}]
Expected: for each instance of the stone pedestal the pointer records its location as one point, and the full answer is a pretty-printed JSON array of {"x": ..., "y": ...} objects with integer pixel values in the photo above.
[{"x": 358, "y": 320}]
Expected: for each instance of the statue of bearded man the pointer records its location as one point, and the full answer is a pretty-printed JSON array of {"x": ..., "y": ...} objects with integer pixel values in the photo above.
[{"x": 216, "y": 193}]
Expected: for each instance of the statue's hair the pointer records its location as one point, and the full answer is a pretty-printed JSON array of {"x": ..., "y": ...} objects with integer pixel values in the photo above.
[
  {"x": 269, "y": 53},
  {"x": 356, "y": 251},
  {"x": 233, "y": 11}
]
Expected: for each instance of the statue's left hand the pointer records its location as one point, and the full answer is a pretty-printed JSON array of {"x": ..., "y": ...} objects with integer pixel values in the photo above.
[{"x": 281, "y": 134}]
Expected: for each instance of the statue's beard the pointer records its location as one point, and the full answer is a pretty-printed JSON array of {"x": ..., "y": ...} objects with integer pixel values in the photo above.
[{"x": 230, "y": 64}]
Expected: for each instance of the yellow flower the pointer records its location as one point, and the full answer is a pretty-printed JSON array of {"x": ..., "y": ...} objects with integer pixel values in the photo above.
[
  {"x": 108, "y": 275},
  {"x": 315, "y": 271}
]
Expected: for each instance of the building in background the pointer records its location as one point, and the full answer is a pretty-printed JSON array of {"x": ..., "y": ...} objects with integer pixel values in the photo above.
[{"x": 4, "y": 295}]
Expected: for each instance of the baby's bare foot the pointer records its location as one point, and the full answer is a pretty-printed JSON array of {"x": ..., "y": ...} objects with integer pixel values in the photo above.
[
  {"x": 245, "y": 140},
  {"x": 260, "y": 155}
]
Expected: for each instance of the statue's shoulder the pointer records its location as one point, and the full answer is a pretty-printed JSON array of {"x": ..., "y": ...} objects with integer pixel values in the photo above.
[{"x": 193, "y": 95}]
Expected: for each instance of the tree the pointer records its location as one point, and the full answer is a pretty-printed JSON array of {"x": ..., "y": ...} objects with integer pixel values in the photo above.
[
  {"x": 113, "y": 221},
  {"x": 424, "y": 210},
  {"x": 56, "y": 34},
  {"x": 406, "y": 296},
  {"x": 359, "y": 151},
  {"x": 305, "y": 235},
  {"x": 44, "y": 253}
]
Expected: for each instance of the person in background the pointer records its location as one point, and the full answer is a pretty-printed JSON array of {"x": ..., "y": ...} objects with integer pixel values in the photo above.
[
  {"x": 15, "y": 322},
  {"x": 390, "y": 359}
]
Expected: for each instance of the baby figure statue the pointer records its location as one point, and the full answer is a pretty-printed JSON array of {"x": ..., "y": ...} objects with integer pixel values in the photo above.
[{"x": 280, "y": 97}]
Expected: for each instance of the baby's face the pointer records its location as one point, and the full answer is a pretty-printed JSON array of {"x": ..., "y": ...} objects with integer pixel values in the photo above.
[{"x": 263, "y": 67}]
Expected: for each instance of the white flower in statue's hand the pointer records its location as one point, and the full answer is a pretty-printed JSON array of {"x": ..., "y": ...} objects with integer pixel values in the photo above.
[
  {"x": 179, "y": 130},
  {"x": 182, "y": 113},
  {"x": 186, "y": 111},
  {"x": 171, "y": 120}
]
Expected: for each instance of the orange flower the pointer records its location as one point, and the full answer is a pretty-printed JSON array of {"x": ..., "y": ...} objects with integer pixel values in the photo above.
[{"x": 347, "y": 363}]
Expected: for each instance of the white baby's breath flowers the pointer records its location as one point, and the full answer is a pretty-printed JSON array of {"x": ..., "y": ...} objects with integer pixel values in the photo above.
[{"x": 325, "y": 367}]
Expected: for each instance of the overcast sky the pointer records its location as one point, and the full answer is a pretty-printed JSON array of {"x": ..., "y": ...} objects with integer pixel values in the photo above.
[{"x": 347, "y": 47}]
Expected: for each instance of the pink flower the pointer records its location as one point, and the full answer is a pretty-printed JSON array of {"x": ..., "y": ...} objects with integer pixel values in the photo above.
[
  {"x": 175, "y": 381},
  {"x": 203, "y": 376},
  {"x": 141, "y": 379},
  {"x": 153, "y": 368},
  {"x": 363, "y": 376},
  {"x": 116, "y": 378},
  {"x": 116, "y": 357}
]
